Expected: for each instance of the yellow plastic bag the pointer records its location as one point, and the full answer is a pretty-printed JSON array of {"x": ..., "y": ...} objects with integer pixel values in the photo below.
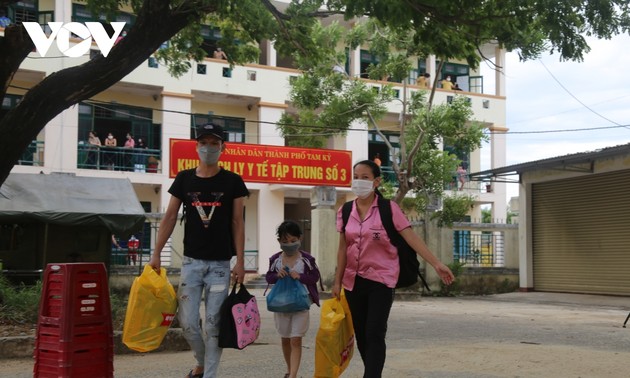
[
  {"x": 334, "y": 343},
  {"x": 150, "y": 311}
]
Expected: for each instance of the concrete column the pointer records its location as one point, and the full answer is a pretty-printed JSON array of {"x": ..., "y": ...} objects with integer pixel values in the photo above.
[
  {"x": 355, "y": 62},
  {"x": 60, "y": 135},
  {"x": 174, "y": 125},
  {"x": 272, "y": 55},
  {"x": 498, "y": 159},
  {"x": 500, "y": 72},
  {"x": 431, "y": 68},
  {"x": 63, "y": 11},
  {"x": 269, "y": 114},
  {"x": 269, "y": 216},
  {"x": 357, "y": 141},
  {"x": 525, "y": 250},
  {"x": 324, "y": 235}
]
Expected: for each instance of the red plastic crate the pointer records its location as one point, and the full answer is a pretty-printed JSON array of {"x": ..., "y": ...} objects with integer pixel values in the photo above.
[{"x": 74, "y": 332}]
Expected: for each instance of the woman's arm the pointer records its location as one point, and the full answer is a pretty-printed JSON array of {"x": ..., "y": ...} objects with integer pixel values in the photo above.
[
  {"x": 341, "y": 265},
  {"x": 422, "y": 249}
]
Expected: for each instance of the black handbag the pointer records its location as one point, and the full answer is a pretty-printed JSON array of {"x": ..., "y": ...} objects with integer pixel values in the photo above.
[{"x": 239, "y": 323}]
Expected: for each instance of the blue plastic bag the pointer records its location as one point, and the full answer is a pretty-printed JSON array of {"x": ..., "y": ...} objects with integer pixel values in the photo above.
[{"x": 288, "y": 295}]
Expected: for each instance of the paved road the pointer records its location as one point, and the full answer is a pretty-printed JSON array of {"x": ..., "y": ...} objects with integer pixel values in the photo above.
[{"x": 506, "y": 335}]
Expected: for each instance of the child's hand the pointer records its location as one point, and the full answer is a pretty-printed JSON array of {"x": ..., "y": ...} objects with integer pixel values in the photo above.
[
  {"x": 295, "y": 275},
  {"x": 282, "y": 273}
]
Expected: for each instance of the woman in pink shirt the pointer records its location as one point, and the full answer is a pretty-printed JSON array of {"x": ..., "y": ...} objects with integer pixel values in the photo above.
[{"x": 367, "y": 265}]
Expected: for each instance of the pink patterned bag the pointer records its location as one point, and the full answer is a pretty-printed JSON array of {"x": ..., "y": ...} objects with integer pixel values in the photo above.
[{"x": 240, "y": 319}]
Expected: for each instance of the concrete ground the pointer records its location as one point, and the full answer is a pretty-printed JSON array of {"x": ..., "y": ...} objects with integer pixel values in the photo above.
[{"x": 504, "y": 335}]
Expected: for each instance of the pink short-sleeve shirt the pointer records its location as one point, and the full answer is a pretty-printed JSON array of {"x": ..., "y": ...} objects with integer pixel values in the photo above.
[{"x": 369, "y": 252}]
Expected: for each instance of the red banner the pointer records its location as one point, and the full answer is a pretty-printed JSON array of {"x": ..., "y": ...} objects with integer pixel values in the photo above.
[{"x": 271, "y": 164}]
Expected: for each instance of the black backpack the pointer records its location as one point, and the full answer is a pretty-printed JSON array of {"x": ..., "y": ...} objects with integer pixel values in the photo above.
[{"x": 407, "y": 257}]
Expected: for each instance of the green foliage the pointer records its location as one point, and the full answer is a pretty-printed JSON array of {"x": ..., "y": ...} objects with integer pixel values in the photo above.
[
  {"x": 118, "y": 301},
  {"x": 327, "y": 103},
  {"x": 454, "y": 209},
  {"x": 19, "y": 304},
  {"x": 486, "y": 215},
  {"x": 530, "y": 26}
]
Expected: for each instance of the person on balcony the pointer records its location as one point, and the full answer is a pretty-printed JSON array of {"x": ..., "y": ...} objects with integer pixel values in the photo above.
[
  {"x": 94, "y": 144},
  {"x": 462, "y": 176},
  {"x": 4, "y": 20},
  {"x": 423, "y": 81},
  {"x": 377, "y": 159},
  {"x": 447, "y": 83},
  {"x": 219, "y": 54},
  {"x": 130, "y": 144},
  {"x": 110, "y": 155}
]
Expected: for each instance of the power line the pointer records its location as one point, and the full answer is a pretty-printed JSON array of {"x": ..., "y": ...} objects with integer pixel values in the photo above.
[
  {"x": 568, "y": 110},
  {"x": 103, "y": 104},
  {"x": 577, "y": 99}
]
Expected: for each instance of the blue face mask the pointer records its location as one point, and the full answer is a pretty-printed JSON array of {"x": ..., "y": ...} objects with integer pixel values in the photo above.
[{"x": 290, "y": 248}]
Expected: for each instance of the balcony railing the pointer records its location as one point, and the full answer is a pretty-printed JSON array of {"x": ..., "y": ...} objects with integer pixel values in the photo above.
[
  {"x": 143, "y": 160},
  {"x": 33, "y": 155}
]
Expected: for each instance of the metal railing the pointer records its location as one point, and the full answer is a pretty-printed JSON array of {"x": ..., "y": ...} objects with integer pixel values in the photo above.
[
  {"x": 143, "y": 160},
  {"x": 479, "y": 249},
  {"x": 122, "y": 257},
  {"x": 33, "y": 155}
]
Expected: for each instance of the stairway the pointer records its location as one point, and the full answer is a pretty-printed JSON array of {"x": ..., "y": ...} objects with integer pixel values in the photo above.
[{"x": 256, "y": 281}]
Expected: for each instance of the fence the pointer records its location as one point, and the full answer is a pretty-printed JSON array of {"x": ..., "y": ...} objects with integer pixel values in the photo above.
[{"x": 144, "y": 160}]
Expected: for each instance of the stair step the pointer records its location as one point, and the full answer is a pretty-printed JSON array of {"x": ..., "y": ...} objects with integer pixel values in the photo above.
[{"x": 257, "y": 282}]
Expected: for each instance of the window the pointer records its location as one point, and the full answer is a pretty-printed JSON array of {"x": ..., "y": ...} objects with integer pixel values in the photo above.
[
  {"x": 454, "y": 69},
  {"x": 211, "y": 35},
  {"x": 476, "y": 84},
  {"x": 119, "y": 120},
  {"x": 25, "y": 11},
  {"x": 44, "y": 19},
  {"x": 201, "y": 69},
  {"x": 227, "y": 72},
  {"x": 251, "y": 75},
  {"x": 367, "y": 59},
  {"x": 80, "y": 13}
]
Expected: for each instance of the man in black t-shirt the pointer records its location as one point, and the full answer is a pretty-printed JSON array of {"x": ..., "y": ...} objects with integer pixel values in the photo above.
[{"x": 214, "y": 231}]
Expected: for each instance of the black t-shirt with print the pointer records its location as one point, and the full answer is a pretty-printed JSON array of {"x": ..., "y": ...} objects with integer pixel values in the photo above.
[{"x": 208, "y": 204}]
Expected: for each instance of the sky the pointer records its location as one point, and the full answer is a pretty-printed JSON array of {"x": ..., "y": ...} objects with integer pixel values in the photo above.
[{"x": 548, "y": 95}]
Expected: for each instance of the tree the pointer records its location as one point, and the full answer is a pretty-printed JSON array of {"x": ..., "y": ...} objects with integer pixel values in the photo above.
[
  {"x": 528, "y": 25},
  {"x": 398, "y": 30}
]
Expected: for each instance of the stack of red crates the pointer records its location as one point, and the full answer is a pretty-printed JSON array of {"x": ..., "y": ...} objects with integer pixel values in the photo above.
[{"x": 74, "y": 330}]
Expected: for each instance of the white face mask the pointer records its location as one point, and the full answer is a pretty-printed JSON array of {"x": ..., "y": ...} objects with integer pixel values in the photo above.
[
  {"x": 362, "y": 188},
  {"x": 110, "y": 137},
  {"x": 209, "y": 155}
]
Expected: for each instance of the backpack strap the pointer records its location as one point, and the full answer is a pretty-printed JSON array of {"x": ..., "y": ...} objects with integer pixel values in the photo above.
[
  {"x": 345, "y": 214},
  {"x": 385, "y": 211},
  {"x": 387, "y": 219}
]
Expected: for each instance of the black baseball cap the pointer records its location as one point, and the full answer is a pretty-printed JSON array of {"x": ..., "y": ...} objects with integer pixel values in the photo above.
[{"x": 210, "y": 129}]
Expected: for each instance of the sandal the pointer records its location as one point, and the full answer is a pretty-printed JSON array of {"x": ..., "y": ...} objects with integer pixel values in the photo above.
[{"x": 191, "y": 375}]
